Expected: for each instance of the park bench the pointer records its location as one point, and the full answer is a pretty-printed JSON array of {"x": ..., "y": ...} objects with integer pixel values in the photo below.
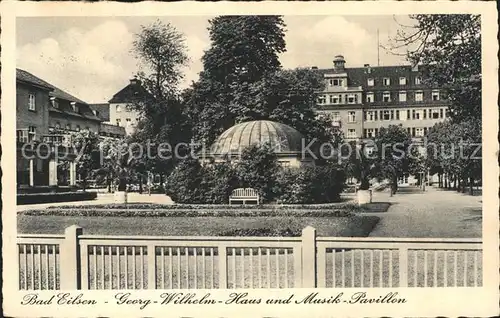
[{"x": 244, "y": 195}]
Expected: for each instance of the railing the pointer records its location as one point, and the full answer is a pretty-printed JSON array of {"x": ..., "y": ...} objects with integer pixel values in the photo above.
[
  {"x": 142, "y": 262},
  {"x": 59, "y": 140}
]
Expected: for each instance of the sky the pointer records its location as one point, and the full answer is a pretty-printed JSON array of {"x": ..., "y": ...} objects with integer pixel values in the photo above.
[{"x": 91, "y": 57}]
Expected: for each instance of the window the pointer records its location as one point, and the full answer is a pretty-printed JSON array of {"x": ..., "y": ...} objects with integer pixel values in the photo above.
[
  {"x": 68, "y": 127},
  {"x": 371, "y": 116},
  {"x": 351, "y": 133},
  {"x": 387, "y": 81},
  {"x": 351, "y": 117},
  {"x": 416, "y": 114},
  {"x": 370, "y": 133},
  {"x": 128, "y": 121},
  {"x": 118, "y": 108},
  {"x": 118, "y": 121},
  {"x": 31, "y": 133},
  {"x": 419, "y": 96},
  {"x": 321, "y": 99},
  {"x": 22, "y": 135},
  {"x": 351, "y": 99},
  {"x": 397, "y": 114},
  {"x": 435, "y": 95},
  {"x": 336, "y": 116},
  {"x": 386, "y": 97},
  {"x": 371, "y": 82},
  {"x": 334, "y": 99},
  {"x": 386, "y": 115},
  {"x": 402, "y": 81},
  {"x": 335, "y": 82},
  {"x": 32, "y": 102},
  {"x": 419, "y": 132},
  {"x": 54, "y": 102},
  {"x": 370, "y": 97},
  {"x": 441, "y": 113},
  {"x": 408, "y": 116},
  {"x": 402, "y": 96},
  {"x": 418, "y": 80}
]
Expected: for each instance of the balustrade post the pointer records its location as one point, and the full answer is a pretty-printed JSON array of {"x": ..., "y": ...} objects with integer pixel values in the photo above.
[
  {"x": 403, "y": 267},
  {"x": 151, "y": 266},
  {"x": 222, "y": 251},
  {"x": 309, "y": 268},
  {"x": 70, "y": 269}
]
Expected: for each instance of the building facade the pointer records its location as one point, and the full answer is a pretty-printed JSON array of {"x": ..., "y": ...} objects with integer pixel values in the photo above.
[
  {"x": 120, "y": 110},
  {"x": 362, "y": 100},
  {"x": 46, "y": 118}
]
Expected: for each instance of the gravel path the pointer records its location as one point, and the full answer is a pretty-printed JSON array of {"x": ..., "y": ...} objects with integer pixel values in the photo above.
[{"x": 433, "y": 213}]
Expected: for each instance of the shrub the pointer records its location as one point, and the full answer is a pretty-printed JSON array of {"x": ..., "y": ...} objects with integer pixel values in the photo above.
[
  {"x": 218, "y": 180},
  {"x": 262, "y": 232},
  {"x": 258, "y": 168},
  {"x": 311, "y": 185},
  {"x": 33, "y": 198},
  {"x": 183, "y": 184}
]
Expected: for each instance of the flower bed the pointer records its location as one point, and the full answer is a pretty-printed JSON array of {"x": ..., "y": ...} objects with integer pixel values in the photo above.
[
  {"x": 192, "y": 213},
  {"x": 155, "y": 206}
]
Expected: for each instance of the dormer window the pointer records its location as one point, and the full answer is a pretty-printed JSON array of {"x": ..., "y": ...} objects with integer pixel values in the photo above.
[
  {"x": 418, "y": 80},
  {"x": 387, "y": 81},
  {"x": 371, "y": 82},
  {"x": 96, "y": 113},
  {"x": 74, "y": 106},
  {"x": 54, "y": 102},
  {"x": 402, "y": 81}
]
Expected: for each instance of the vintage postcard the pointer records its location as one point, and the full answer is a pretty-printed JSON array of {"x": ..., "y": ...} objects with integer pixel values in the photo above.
[{"x": 265, "y": 159}]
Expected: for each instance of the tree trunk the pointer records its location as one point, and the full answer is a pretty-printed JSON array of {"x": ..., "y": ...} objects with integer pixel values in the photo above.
[
  {"x": 446, "y": 180},
  {"x": 471, "y": 185},
  {"x": 140, "y": 183}
]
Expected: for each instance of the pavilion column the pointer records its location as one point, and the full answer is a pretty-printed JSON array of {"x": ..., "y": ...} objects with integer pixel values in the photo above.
[
  {"x": 53, "y": 172},
  {"x": 32, "y": 172},
  {"x": 72, "y": 173}
]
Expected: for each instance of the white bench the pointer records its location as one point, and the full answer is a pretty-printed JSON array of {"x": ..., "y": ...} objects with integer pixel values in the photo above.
[{"x": 244, "y": 195}]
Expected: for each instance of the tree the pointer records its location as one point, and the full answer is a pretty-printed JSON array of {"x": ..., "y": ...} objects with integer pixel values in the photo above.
[
  {"x": 448, "y": 46},
  {"x": 244, "y": 49},
  {"x": 86, "y": 144},
  {"x": 161, "y": 52},
  {"x": 454, "y": 150},
  {"x": 289, "y": 97},
  {"x": 393, "y": 154}
]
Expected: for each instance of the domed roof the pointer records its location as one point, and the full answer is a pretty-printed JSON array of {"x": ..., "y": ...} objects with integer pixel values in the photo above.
[{"x": 282, "y": 138}]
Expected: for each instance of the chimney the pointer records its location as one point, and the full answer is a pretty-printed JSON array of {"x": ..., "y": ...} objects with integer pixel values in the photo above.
[
  {"x": 368, "y": 69},
  {"x": 367, "y": 65},
  {"x": 338, "y": 63},
  {"x": 135, "y": 81},
  {"x": 314, "y": 67}
]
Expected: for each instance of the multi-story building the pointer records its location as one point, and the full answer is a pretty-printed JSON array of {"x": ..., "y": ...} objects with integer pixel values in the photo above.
[
  {"x": 106, "y": 129},
  {"x": 361, "y": 100},
  {"x": 120, "y": 111},
  {"x": 46, "y": 117}
]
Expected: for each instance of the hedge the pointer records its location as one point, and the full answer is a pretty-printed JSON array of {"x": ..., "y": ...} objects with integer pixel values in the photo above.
[
  {"x": 193, "y": 213},
  {"x": 33, "y": 198}
]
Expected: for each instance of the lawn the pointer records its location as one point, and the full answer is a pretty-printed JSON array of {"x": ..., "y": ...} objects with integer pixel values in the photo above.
[{"x": 359, "y": 226}]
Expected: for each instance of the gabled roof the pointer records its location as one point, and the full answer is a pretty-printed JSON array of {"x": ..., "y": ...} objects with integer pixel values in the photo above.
[
  {"x": 23, "y": 76},
  {"x": 84, "y": 109},
  {"x": 102, "y": 109},
  {"x": 56, "y": 92},
  {"x": 129, "y": 93}
]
